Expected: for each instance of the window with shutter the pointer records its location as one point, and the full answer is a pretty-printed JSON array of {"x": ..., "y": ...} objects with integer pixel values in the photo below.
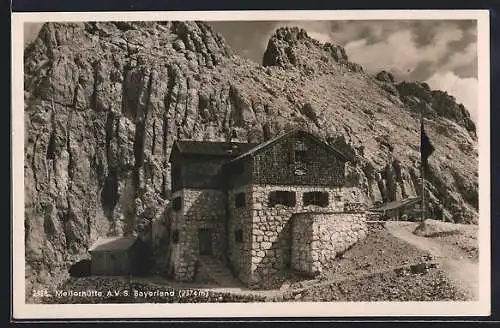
[
  {"x": 317, "y": 198},
  {"x": 300, "y": 156},
  {"x": 300, "y": 152},
  {"x": 281, "y": 197},
  {"x": 297, "y": 153}
]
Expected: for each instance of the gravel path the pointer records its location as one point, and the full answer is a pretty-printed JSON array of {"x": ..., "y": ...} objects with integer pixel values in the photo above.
[{"x": 453, "y": 260}]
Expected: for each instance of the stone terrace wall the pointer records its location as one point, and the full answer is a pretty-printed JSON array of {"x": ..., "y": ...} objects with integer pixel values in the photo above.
[
  {"x": 200, "y": 209},
  {"x": 319, "y": 237},
  {"x": 302, "y": 236},
  {"x": 271, "y": 228}
]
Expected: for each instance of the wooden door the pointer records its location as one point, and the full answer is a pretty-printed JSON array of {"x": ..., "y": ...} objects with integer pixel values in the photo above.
[
  {"x": 205, "y": 241},
  {"x": 116, "y": 265}
]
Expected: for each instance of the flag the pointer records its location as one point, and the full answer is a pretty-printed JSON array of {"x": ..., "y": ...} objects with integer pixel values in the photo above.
[{"x": 426, "y": 147}]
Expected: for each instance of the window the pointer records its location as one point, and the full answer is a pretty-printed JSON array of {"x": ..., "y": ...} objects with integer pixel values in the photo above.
[
  {"x": 298, "y": 155},
  {"x": 338, "y": 198},
  {"x": 286, "y": 198},
  {"x": 240, "y": 200},
  {"x": 176, "y": 177},
  {"x": 238, "y": 235},
  {"x": 175, "y": 236},
  {"x": 177, "y": 204},
  {"x": 315, "y": 198}
]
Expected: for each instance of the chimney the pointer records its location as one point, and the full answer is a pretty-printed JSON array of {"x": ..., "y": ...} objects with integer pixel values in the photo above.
[{"x": 233, "y": 136}]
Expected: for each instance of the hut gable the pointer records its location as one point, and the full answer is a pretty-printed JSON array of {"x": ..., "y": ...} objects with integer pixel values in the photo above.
[{"x": 295, "y": 158}]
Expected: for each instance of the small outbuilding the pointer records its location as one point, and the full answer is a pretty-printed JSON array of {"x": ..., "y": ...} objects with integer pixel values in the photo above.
[
  {"x": 117, "y": 256},
  {"x": 410, "y": 207}
]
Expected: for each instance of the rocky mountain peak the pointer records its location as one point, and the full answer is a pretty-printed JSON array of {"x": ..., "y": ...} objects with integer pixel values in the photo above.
[
  {"x": 419, "y": 97},
  {"x": 293, "y": 47}
]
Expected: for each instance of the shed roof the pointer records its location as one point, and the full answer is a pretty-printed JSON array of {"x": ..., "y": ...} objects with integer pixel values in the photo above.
[
  {"x": 112, "y": 244},
  {"x": 212, "y": 148},
  {"x": 395, "y": 204}
]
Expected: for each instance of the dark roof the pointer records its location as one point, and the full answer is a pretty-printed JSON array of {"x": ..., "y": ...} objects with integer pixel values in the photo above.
[
  {"x": 282, "y": 136},
  {"x": 212, "y": 148},
  {"x": 112, "y": 244},
  {"x": 395, "y": 204}
]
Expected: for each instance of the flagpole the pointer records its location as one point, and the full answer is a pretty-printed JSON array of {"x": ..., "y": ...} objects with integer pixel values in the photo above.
[
  {"x": 422, "y": 172},
  {"x": 426, "y": 150},
  {"x": 423, "y": 194}
]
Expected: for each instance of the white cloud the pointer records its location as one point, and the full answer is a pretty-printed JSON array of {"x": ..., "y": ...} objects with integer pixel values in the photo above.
[
  {"x": 399, "y": 51},
  {"x": 351, "y": 46},
  {"x": 399, "y": 54},
  {"x": 463, "y": 89},
  {"x": 464, "y": 58},
  {"x": 31, "y": 32},
  {"x": 322, "y": 37}
]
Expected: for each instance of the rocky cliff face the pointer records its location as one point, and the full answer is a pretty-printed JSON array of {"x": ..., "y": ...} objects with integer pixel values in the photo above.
[{"x": 105, "y": 101}]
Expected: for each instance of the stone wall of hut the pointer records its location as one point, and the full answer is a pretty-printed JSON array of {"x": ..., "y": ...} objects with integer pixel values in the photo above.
[{"x": 318, "y": 238}]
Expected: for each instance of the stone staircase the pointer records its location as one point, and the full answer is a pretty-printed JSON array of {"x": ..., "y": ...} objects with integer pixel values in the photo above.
[{"x": 217, "y": 272}]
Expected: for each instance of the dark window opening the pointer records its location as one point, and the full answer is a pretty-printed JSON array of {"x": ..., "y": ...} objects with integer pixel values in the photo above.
[
  {"x": 316, "y": 198},
  {"x": 176, "y": 176},
  {"x": 177, "y": 204},
  {"x": 175, "y": 236},
  {"x": 238, "y": 235},
  {"x": 240, "y": 200},
  {"x": 298, "y": 154},
  {"x": 338, "y": 198},
  {"x": 287, "y": 198}
]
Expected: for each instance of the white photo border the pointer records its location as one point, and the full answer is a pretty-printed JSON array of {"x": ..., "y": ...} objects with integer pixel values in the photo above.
[{"x": 21, "y": 310}]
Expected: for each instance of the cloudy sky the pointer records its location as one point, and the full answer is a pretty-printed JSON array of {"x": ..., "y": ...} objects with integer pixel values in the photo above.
[{"x": 442, "y": 53}]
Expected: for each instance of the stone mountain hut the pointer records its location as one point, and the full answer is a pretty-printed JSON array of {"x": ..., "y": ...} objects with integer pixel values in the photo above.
[
  {"x": 258, "y": 209},
  {"x": 117, "y": 256}
]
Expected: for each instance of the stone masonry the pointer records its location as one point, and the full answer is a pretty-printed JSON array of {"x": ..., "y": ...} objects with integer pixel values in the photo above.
[
  {"x": 318, "y": 238},
  {"x": 271, "y": 228},
  {"x": 201, "y": 209}
]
